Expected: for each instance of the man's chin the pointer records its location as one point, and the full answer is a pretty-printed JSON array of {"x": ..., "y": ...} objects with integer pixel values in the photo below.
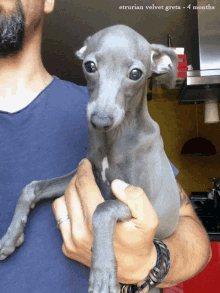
[
  {"x": 11, "y": 47},
  {"x": 9, "y": 52},
  {"x": 12, "y": 30}
]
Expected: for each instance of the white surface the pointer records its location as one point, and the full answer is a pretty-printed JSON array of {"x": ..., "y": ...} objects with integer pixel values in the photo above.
[{"x": 211, "y": 111}]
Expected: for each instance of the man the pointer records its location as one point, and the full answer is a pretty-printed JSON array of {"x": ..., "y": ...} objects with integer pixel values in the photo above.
[{"x": 43, "y": 131}]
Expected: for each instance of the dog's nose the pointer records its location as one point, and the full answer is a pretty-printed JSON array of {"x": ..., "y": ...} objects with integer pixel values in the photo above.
[{"x": 101, "y": 122}]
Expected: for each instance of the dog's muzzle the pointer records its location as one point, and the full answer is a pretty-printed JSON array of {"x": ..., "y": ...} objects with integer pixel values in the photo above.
[{"x": 101, "y": 122}]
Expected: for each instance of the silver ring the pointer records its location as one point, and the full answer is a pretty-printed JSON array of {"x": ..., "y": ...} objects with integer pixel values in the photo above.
[{"x": 62, "y": 219}]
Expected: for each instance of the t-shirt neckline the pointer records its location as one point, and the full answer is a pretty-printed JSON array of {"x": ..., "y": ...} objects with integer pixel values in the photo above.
[{"x": 33, "y": 101}]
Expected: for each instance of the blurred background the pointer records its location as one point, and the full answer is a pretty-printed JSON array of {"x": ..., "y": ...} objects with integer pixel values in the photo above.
[{"x": 73, "y": 21}]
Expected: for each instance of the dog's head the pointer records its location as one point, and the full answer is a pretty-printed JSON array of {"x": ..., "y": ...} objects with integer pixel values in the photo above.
[{"x": 117, "y": 61}]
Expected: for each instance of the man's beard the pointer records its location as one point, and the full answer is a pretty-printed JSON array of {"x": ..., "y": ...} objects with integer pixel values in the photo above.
[{"x": 12, "y": 30}]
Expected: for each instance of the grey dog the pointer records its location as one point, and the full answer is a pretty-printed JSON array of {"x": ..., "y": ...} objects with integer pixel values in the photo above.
[{"x": 124, "y": 143}]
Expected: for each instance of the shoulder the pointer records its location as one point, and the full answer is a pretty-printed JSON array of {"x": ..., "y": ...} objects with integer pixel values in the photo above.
[
  {"x": 63, "y": 103},
  {"x": 184, "y": 199},
  {"x": 186, "y": 208},
  {"x": 62, "y": 95},
  {"x": 70, "y": 89}
]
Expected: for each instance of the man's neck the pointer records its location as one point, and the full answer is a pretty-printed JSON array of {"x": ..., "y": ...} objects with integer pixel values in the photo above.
[{"x": 22, "y": 78}]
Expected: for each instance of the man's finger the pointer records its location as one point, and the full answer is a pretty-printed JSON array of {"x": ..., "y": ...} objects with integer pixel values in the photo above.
[
  {"x": 60, "y": 210},
  {"x": 74, "y": 209},
  {"x": 137, "y": 202},
  {"x": 85, "y": 169},
  {"x": 87, "y": 189}
]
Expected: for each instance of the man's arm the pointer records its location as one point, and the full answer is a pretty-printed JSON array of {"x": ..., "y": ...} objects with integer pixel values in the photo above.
[
  {"x": 189, "y": 245},
  {"x": 135, "y": 252}
]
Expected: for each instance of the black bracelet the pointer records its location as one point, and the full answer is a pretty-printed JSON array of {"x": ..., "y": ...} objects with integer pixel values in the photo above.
[{"x": 157, "y": 274}]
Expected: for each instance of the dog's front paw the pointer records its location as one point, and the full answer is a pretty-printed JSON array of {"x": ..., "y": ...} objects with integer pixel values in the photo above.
[
  {"x": 8, "y": 244},
  {"x": 103, "y": 279}
]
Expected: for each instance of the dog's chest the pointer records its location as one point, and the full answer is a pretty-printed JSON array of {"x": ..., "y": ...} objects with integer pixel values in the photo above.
[
  {"x": 111, "y": 169},
  {"x": 105, "y": 166},
  {"x": 105, "y": 173},
  {"x": 102, "y": 179}
]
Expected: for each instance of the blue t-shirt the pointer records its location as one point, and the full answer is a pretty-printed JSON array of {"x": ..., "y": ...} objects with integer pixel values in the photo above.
[{"x": 44, "y": 140}]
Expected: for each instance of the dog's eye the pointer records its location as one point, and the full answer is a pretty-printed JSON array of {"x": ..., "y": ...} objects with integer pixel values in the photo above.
[
  {"x": 90, "y": 67},
  {"x": 135, "y": 74}
]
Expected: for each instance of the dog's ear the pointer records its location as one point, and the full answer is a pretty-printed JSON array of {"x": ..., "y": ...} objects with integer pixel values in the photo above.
[
  {"x": 81, "y": 52},
  {"x": 164, "y": 65}
]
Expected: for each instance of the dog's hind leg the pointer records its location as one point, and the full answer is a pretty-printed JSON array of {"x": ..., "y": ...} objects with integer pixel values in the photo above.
[{"x": 31, "y": 194}]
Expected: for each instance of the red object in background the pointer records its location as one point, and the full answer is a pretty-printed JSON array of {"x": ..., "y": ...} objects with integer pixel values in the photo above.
[
  {"x": 182, "y": 63},
  {"x": 182, "y": 74},
  {"x": 206, "y": 281},
  {"x": 177, "y": 289},
  {"x": 182, "y": 67}
]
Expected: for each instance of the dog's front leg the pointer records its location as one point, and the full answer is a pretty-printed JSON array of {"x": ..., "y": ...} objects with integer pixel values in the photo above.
[
  {"x": 103, "y": 270},
  {"x": 31, "y": 194}
]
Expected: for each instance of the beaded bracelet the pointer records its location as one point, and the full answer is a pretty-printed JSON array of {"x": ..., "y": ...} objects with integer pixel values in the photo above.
[{"x": 156, "y": 275}]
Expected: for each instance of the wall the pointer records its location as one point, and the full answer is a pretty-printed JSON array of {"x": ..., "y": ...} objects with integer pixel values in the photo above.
[
  {"x": 73, "y": 21},
  {"x": 178, "y": 124}
]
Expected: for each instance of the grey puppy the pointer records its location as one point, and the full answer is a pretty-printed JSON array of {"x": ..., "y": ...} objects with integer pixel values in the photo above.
[{"x": 124, "y": 143}]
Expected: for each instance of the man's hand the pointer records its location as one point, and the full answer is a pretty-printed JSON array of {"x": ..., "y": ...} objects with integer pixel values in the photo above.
[{"x": 133, "y": 240}]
